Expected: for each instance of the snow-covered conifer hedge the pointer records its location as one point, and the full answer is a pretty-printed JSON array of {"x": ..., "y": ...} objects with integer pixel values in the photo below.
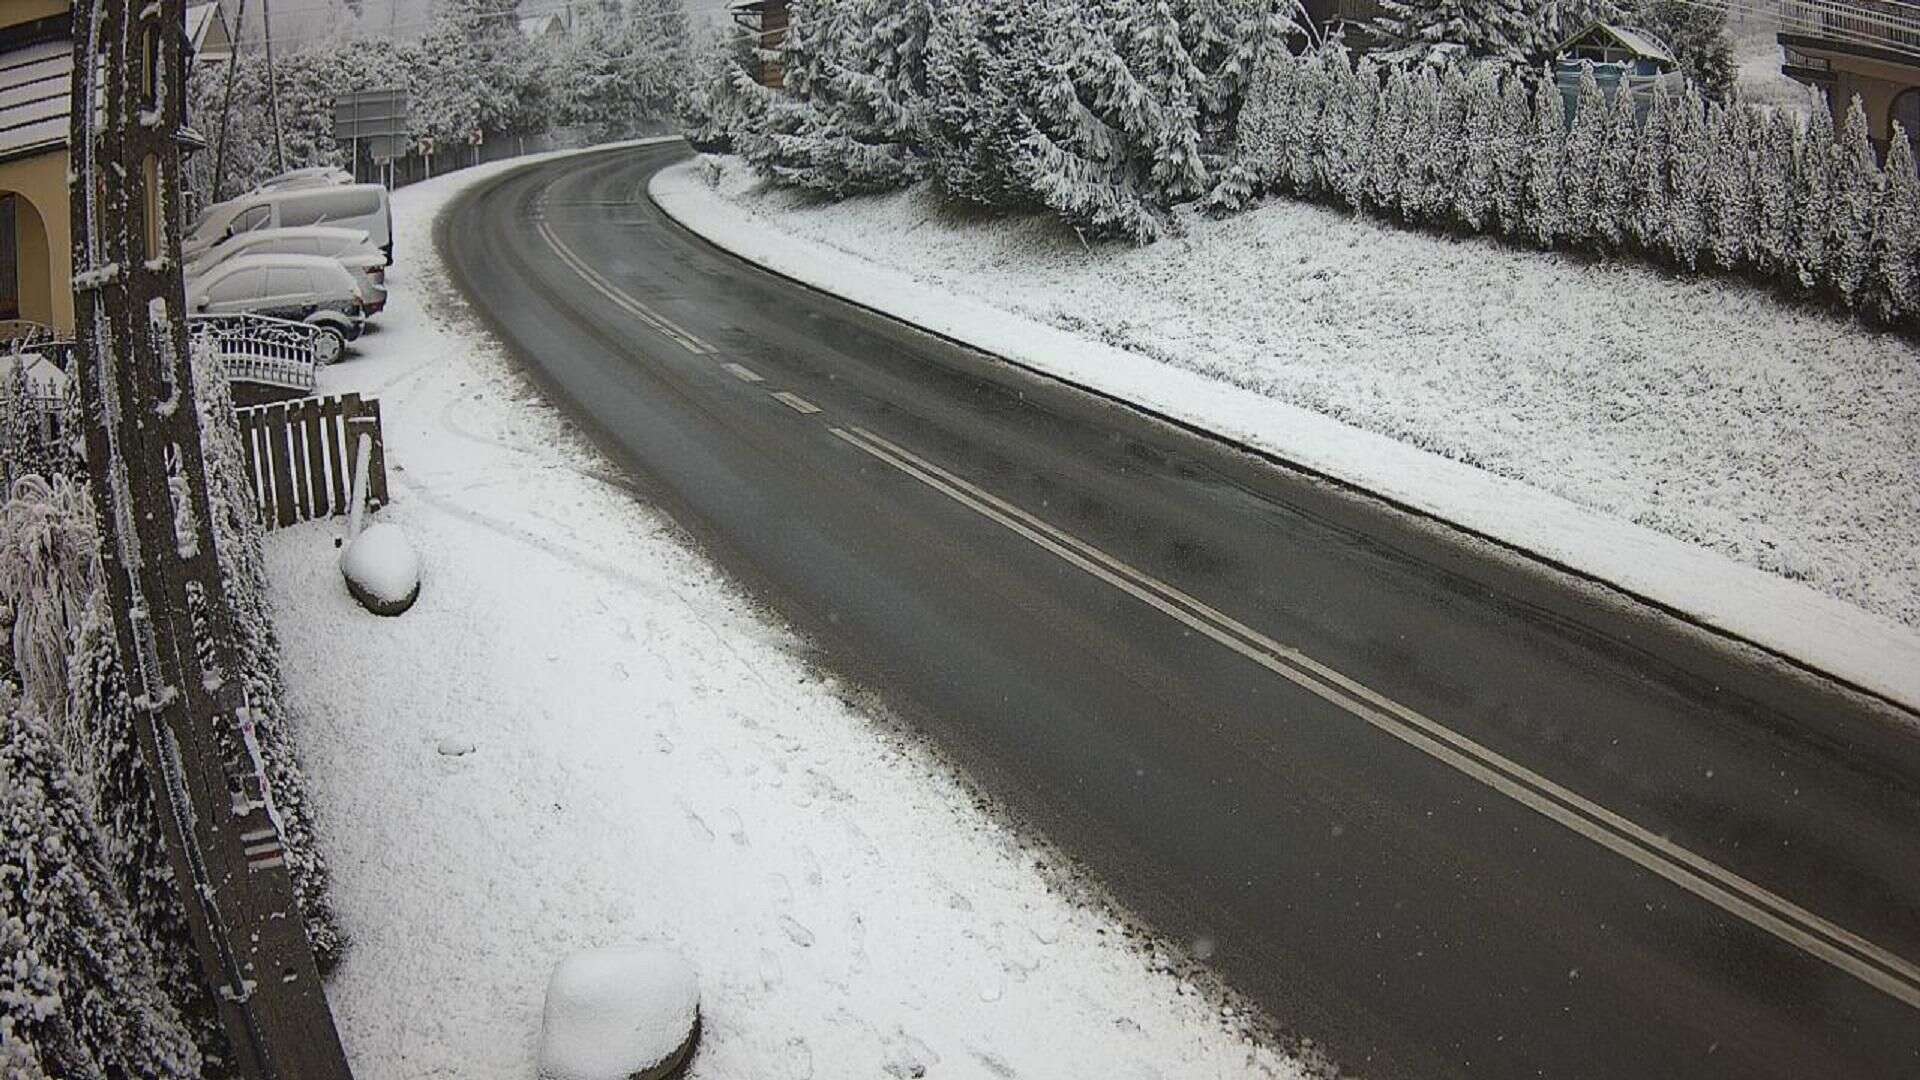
[{"x": 1692, "y": 185}]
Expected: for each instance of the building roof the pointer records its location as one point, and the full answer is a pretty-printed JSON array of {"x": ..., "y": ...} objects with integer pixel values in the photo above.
[
  {"x": 1638, "y": 42},
  {"x": 207, "y": 31},
  {"x": 34, "y": 96},
  {"x": 544, "y": 25}
]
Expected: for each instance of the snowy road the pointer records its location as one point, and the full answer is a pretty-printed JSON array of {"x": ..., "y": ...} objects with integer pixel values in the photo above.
[{"x": 1439, "y": 810}]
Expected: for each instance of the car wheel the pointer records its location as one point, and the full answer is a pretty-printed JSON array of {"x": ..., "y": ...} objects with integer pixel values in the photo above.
[{"x": 329, "y": 346}]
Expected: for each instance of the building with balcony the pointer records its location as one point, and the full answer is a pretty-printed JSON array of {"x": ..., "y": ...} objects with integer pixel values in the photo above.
[{"x": 1864, "y": 48}]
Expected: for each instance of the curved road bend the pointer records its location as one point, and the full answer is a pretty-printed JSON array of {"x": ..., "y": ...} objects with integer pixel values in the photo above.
[{"x": 1439, "y": 810}]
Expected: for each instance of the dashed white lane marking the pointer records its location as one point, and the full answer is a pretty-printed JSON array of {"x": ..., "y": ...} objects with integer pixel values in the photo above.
[
  {"x": 743, "y": 373},
  {"x": 1766, "y": 910},
  {"x": 620, "y": 298},
  {"x": 796, "y": 403}
]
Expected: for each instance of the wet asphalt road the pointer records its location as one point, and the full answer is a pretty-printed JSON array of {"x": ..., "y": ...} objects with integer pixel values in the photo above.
[{"x": 1391, "y": 842}]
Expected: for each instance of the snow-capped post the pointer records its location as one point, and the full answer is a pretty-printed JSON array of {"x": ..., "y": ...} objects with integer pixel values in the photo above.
[
  {"x": 628, "y": 1012},
  {"x": 172, "y": 615}
]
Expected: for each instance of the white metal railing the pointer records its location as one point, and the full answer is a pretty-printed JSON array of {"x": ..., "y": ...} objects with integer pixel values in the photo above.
[
  {"x": 1889, "y": 25},
  {"x": 260, "y": 349}
]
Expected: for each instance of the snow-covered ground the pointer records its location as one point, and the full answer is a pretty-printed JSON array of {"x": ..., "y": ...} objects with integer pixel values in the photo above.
[
  {"x": 581, "y": 736},
  {"x": 1605, "y": 410}
]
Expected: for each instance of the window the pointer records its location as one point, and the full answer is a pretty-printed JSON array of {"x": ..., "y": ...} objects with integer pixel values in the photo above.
[
  {"x": 1906, "y": 113},
  {"x": 9, "y": 257},
  {"x": 253, "y": 217},
  {"x": 289, "y": 281},
  {"x": 235, "y": 287},
  {"x": 150, "y": 68},
  {"x": 324, "y": 207},
  {"x": 151, "y": 225}
]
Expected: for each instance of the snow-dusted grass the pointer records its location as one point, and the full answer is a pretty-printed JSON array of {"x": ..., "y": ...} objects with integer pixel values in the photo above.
[
  {"x": 1783, "y": 437},
  {"x": 580, "y": 736}
]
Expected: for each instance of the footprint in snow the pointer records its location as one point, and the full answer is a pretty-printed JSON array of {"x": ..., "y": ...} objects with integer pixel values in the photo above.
[
  {"x": 810, "y": 867},
  {"x": 796, "y": 933},
  {"x": 662, "y": 743},
  {"x": 779, "y": 889},
  {"x": 770, "y": 973},
  {"x": 799, "y": 1059},
  {"x": 697, "y": 825},
  {"x": 717, "y": 761},
  {"x": 736, "y": 830}
]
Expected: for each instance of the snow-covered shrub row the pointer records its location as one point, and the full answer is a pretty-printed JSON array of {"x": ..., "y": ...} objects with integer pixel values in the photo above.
[
  {"x": 1693, "y": 185},
  {"x": 1107, "y": 113},
  {"x": 622, "y": 65},
  {"x": 63, "y": 663}
]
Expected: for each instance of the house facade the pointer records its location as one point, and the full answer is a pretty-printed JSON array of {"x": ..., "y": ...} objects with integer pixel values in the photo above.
[
  {"x": 36, "y": 260},
  {"x": 765, "y": 22},
  {"x": 1864, "y": 48}
]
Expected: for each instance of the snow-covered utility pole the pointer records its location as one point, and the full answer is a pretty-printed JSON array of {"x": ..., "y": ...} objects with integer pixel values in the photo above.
[
  {"x": 173, "y": 620},
  {"x": 273, "y": 88}
]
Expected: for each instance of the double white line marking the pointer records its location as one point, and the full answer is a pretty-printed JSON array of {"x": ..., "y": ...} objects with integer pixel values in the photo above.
[
  {"x": 1775, "y": 914},
  {"x": 618, "y": 296}
]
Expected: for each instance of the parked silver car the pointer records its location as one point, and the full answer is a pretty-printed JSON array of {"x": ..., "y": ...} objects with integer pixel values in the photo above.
[
  {"x": 305, "y": 288},
  {"x": 351, "y": 248}
]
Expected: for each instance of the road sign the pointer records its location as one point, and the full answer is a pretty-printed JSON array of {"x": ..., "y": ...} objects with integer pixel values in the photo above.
[{"x": 366, "y": 114}]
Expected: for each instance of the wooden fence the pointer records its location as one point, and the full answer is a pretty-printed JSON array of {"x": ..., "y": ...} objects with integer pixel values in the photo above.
[{"x": 300, "y": 456}]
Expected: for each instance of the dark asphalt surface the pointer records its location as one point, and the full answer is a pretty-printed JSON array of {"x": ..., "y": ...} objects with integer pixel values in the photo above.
[{"x": 1409, "y": 919}]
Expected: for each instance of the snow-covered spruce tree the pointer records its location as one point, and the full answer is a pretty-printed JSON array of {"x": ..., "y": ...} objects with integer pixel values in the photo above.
[
  {"x": 474, "y": 70},
  {"x": 721, "y": 97},
  {"x": 1418, "y": 192},
  {"x": 1896, "y": 235},
  {"x": 982, "y": 62},
  {"x": 101, "y": 717},
  {"x": 1585, "y": 146},
  {"x": 1813, "y": 194},
  {"x": 849, "y": 122},
  {"x": 1446, "y": 159},
  {"x": 1305, "y": 121},
  {"x": 1476, "y": 196},
  {"x": 1730, "y": 191},
  {"x": 1546, "y": 199},
  {"x": 1513, "y": 135},
  {"x": 621, "y": 68},
  {"x": 1438, "y": 32},
  {"x": 1697, "y": 34},
  {"x": 1347, "y": 128},
  {"x": 77, "y": 991},
  {"x": 1269, "y": 120},
  {"x": 1613, "y": 187},
  {"x": 1652, "y": 151},
  {"x": 1689, "y": 169},
  {"x": 1392, "y": 130},
  {"x": 1772, "y": 247},
  {"x": 1855, "y": 191}
]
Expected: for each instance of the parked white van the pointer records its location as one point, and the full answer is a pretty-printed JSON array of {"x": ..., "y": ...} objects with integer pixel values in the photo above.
[
  {"x": 346, "y": 206},
  {"x": 304, "y": 288},
  {"x": 351, "y": 248}
]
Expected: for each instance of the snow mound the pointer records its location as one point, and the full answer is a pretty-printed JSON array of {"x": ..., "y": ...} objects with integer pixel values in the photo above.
[
  {"x": 382, "y": 570},
  {"x": 617, "y": 1013}
]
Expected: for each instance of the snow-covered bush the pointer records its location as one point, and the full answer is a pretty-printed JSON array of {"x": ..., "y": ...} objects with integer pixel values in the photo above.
[
  {"x": 63, "y": 652},
  {"x": 78, "y": 996}
]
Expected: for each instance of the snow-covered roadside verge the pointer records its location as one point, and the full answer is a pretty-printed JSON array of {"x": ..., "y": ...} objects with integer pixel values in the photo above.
[
  {"x": 581, "y": 736},
  {"x": 1007, "y": 291}
]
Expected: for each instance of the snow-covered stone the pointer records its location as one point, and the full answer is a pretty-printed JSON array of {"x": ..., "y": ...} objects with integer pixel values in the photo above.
[
  {"x": 627, "y": 1012},
  {"x": 382, "y": 569}
]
